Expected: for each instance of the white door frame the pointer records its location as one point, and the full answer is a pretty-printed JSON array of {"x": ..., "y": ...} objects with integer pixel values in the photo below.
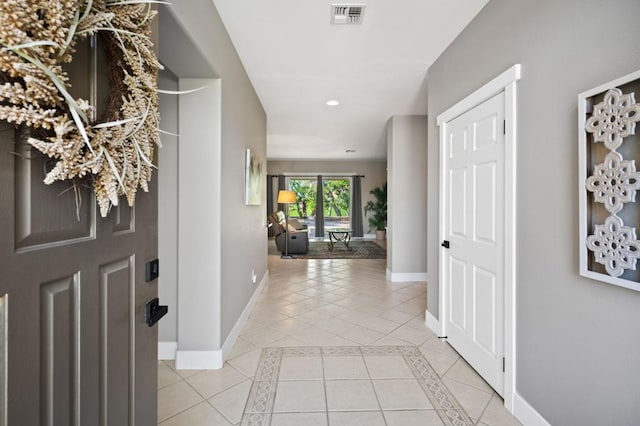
[{"x": 505, "y": 82}]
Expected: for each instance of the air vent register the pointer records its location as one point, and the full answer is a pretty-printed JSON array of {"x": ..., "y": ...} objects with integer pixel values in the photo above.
[{"x": 347, "y": 14}]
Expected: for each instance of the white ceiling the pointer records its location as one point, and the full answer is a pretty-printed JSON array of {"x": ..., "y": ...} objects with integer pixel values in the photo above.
[{"x": 297, "y": 61}]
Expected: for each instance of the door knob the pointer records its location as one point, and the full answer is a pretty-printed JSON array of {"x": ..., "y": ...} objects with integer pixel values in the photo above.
[
  {"x": 445, "y": 244},
  {"x": 154, "y": 311}
]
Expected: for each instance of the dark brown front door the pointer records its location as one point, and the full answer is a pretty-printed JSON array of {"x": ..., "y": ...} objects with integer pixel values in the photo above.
[{"x": 78, "y": 349}]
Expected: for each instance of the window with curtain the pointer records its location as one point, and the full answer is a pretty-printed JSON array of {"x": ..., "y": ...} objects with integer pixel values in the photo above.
[
  {"x": 337, "y": 202},
  {"x": 305, "y": 206}
]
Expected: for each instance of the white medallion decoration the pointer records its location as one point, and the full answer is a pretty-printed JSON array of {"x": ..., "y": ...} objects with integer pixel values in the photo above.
[
  {"x": 614, "y": 118},
  {"x": 614, "y": 182},
  {"x": 614, "y": 246}
]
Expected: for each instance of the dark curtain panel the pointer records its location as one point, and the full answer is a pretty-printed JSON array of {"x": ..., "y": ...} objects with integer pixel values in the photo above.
[
  {"x": 270, "y": 200},
  {"x": 281, "y": 186},
  {"x": 319, "y": 208},
  {"x": 269, "y": 194},
  {"x": 356, "y": 208}
]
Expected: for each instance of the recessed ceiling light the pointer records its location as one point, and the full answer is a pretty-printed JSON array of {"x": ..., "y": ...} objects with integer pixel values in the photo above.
[{"x": 333, "y": 102}]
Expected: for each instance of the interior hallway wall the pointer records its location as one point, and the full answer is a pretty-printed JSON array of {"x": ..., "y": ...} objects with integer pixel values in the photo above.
[
  {"x": 578, "y": 339},
  {"x": 200, "y": 48},
  {"x": 407, "y": 175},
  {"x": 167, "y": 207}
]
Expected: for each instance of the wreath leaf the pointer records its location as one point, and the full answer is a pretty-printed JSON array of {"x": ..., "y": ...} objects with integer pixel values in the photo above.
[
  {"x": 36, "y": 39},
  {"x": 31, "y": 44}
]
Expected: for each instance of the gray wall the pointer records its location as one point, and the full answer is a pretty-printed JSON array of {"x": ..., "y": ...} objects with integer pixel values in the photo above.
[
  {"x": 375, "y": 173},
  {"x": 209, "y": 53},
  {"x": 578, "y": 340},
  {"x": 199, "y": 218},
  {"x": 167, "y": 211},
  {"x": 407, "y": 224},
  {"x": 390, "y": 198}
]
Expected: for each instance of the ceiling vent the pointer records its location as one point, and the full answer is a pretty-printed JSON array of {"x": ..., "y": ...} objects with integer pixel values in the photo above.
[{"x": 347, "y": 14}]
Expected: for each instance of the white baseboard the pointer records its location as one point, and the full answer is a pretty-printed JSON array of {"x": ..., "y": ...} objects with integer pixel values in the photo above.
[
  {"x": 242, "y": 320},
  {"x": 211, "y": 360},
  {"x": 199, "y": 360},
  {"x": 403, "y": 277},
  {"x": 526, "y": 414},
  {"x": 432, "y": 323},
  {"x": 167, "y": 350}
]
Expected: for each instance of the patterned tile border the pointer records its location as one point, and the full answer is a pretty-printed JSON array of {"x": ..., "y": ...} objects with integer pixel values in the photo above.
[{"x": 263, "y": 390}]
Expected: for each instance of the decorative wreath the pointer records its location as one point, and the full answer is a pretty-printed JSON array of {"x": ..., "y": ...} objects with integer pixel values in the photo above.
[{"x": 36, "y": 38}]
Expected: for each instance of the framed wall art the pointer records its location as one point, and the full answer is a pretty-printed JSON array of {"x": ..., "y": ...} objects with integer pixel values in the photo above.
[
  {"x": 609, "y": 151},
  {"x": 253, "y": 179}
]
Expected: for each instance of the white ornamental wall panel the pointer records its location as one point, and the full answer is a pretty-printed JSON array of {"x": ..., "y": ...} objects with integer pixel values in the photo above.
[
  {"x": 614, "y": 182},
  {"x": 609, "y": 214},
  {"x": 614, "y": 118},
  {"x": 614, "y": 246}
]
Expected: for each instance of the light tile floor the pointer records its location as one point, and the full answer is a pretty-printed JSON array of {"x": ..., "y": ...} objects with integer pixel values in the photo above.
[
  {"x": 329, "y": 303},
  {"x": 319, "y": 383}
]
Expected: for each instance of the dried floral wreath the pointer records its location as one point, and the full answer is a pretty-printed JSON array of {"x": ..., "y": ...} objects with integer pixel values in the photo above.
[{"x": 36, "y": 38}]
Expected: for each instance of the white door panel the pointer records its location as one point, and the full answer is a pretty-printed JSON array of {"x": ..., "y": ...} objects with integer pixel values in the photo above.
[
  {"x": 474, "y": 203},
  {"x": 485, "y": 205},
  {"x": 486, "y": 132},
  {"x": 484, "y": 305},
  {"x": 458, "y": 204},
  {"x": 458, "y": 311},
  {"x": 457, "y": 144}
]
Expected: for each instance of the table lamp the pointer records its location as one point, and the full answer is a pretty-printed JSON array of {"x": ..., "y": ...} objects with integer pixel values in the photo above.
[{"x": 286, "y": 197}]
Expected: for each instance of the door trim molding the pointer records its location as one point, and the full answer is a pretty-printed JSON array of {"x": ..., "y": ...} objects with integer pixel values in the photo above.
[
  {"x": 489, "y": 90},
  {"x": 505, "y": 82}
]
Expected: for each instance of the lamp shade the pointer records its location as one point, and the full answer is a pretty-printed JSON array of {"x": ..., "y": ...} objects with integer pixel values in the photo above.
[{"x": 286, "y": 197}]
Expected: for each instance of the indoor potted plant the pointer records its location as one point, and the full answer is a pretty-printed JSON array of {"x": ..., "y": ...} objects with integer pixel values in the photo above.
[{"x": 378, "y": 219}]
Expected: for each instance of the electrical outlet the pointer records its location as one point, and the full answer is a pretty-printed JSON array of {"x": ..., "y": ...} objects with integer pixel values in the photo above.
[{"x": 254, "y": 277}]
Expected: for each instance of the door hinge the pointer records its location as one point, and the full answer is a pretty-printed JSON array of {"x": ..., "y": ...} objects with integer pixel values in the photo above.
[
  {"x": 503, "y": 364},
  {"x": 504, "y": 127}
]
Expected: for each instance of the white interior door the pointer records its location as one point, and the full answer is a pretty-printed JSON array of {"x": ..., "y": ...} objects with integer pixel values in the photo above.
[{"x": 474, "y": 198}]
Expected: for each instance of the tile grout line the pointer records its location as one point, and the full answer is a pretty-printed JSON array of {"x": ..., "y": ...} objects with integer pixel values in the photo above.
[
  {"x": 491, "y": 392},
  {"x": 364, "y": 361},
  {"x": 220, "y": 412},
  {"x": 246, "y": 403},
  {"x": 324, "y": 383},
  {"x": 182, "y": 411},
  {"x": 223, "y": 390},
  {"x": 485, "y": 408},
  {"x": 179, "y": 377}
]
